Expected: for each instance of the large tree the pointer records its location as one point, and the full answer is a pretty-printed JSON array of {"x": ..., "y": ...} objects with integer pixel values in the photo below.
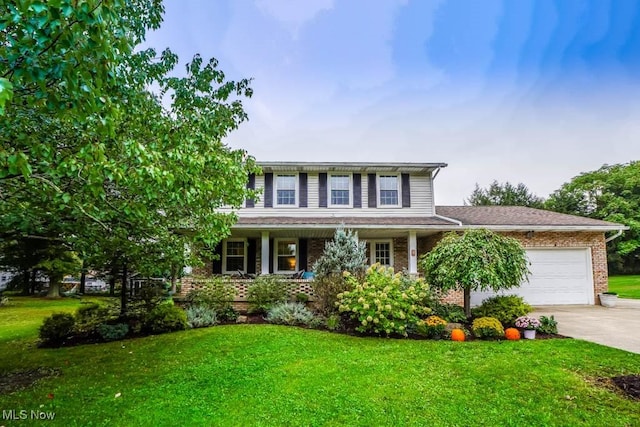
[
  {"x": 477, "y": 259},
  {"x": 505, "y": 194},
  {"x": 611, "y": 193},
  {"x": 90, "y": 157}
]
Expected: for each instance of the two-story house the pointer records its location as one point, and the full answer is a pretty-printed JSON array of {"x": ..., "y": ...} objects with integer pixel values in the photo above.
[{"x": 391, "y": 206}]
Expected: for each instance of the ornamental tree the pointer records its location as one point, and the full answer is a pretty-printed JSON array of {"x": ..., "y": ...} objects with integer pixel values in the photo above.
[
  {"x": 91, "y": 157},
  {"x": 477, "y": 259}
]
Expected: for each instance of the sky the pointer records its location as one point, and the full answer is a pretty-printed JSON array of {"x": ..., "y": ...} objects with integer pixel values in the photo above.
[{"x": 521, "y": 91}]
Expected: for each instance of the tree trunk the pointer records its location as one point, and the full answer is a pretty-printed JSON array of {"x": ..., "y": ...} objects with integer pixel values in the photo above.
[
  {"x": 83, "y": 279},
  {"x": 123, "y": 291},
  {"x": 54, "y": 285},
  {"x": 112, "y": 280},
  {"x": 467, "y": 302},
  {"x": 173, "y": 279},
  {"x": 26, "y": 283}
]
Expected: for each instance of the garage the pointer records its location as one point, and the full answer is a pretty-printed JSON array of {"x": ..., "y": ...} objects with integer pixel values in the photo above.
[{"x": 558, "y": 276}]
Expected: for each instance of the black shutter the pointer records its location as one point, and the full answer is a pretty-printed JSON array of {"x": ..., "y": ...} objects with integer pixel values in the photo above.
[
  {"x": 251, "y": 185},
  {"x": 373, "y": 196},
  {"x": 357, "y": 190},
  {"x": 322, "y": 190},
  {"x": 217, "y": 263},
  {"x": 302, "y": 183},
  {"x": 251, "y": 256},
  {"x": 406, "y": 191},
  {"x": 302, "y": 254},
  {"x": 271, "y": 255},
  {"x": 268, "y": 190}
]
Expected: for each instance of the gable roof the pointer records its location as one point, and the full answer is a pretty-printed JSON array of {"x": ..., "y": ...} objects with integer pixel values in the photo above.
[{"x": 520, "y": 216}]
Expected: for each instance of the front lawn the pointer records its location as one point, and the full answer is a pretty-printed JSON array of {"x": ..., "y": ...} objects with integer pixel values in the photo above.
[
  {"x": 275, "y": 375},
  {"x": 625, "y": 286}
]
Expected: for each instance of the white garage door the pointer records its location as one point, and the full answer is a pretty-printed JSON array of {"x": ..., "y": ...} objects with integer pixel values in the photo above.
[{"x": 558, "y": 276}]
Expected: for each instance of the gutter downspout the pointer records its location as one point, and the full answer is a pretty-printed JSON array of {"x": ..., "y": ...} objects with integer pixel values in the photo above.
[
  {"x": 615, "y": 236},
  {"x": 445, "y": 218}
]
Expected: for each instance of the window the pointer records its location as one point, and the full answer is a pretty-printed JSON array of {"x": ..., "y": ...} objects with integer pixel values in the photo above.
[
  {"x": 339, "y": 188},
  {"x": 388, "y": 190},
  {"x": 234, "y": 256},
  {"x": 286, "y": 255},
  {"x": 286, "y": 190},
  {"x": 382, "y": 252}
]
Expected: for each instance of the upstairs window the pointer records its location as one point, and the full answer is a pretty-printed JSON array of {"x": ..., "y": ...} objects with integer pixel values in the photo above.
[
  {"x": 339, "y": 188},
  {"x": 388, "y": 193},
  {"x": 286, "y": 190}
]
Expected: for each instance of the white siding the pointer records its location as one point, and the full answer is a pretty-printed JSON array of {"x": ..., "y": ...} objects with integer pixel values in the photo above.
[{"x": 421, "y": 202}]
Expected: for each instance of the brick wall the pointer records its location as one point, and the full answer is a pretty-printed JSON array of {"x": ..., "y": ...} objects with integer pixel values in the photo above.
[{"x": 400, "y": 254}]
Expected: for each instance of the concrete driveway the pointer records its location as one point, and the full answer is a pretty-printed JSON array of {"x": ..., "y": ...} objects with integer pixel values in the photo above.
[{"x": 614, "y": 327}]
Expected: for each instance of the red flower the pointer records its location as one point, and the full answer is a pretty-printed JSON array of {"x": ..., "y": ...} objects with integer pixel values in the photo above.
[{"x": 50, "y": 396}]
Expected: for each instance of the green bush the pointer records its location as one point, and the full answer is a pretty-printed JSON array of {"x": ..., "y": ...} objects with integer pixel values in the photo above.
[
  {"x": 487, "y": 327},
  {"x": 302, "y": 298},
  {"x": 113, "y": 332},
  {"x": 265, "y": 292},
  {"x": 165, "y": 318},
  {"x": 452, "y": 313},
  {"x": 326, "y": 290},
  {"x": 89, "y": 316},
  {"x": 292, "y": 313},
  {"x": 505, "y": 308},
  {"x": 56, "y": 328},
  {"x": 548, "y": 325},
  {"x": 227, "y": 314},
  {"x": 333, "y": 322},
  {"x": 201, "y": 316},
  {"x": 216, "y": 293},
  {"x": 381, "y": 303}
]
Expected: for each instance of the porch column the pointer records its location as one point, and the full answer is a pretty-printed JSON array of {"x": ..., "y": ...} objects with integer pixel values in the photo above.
[
  {"x": 264, "y": 253},
  {"x": 413, "y": 253}
]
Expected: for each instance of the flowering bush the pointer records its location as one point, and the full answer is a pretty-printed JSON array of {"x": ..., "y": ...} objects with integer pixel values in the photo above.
[
  {"x": 384, "y": 302},
  {"x": 487, "y": 327},
  {"x": 432, "y": 326},
  {"x": 526, "y": 322}
]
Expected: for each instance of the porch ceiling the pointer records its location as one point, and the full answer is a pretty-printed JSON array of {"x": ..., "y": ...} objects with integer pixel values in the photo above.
[{"x": 312, "y": 233}]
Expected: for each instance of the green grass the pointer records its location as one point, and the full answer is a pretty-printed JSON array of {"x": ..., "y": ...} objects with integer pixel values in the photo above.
[
  {"x": 625, "y": 286},
  {"x": 264, "y": 375}
]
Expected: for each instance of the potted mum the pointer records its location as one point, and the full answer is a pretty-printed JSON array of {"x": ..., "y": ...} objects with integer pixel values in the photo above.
[
  {"x": 608, "y": 299},
  {"x": 528, "y": 325}
]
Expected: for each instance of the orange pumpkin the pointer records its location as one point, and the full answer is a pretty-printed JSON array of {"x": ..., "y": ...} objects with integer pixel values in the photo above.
[
  {"x": 512, "y": 334},
  {"x": 457, "y": 335}
]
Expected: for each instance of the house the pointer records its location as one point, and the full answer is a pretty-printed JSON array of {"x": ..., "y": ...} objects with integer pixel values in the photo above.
[{"x": 391, "y": 206}]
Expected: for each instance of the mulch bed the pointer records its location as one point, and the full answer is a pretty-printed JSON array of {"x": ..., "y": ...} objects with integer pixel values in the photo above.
[
  {"x": 20, "y": 380},
  {"x": 629, "y": 384}
]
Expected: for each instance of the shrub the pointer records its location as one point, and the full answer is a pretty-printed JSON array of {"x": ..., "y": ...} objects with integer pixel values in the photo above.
[
  {"x": 344, "y": 253},
  {"x": 4, "y": 301},
  {"x": 379, "y": 304},
  {"x": 487, "y": 327},
  {"x": 227, "y": 314},
  {"x": 291, "y": 313},
  {"x": 201, "y": 316},
  {"x": 56, "y": 328},
  {"x": 432, "y": 327},
  {"x": 302, "y": 298},
  {"x": 548, "y": 325},
  {"x": 113, "y": 332},
  {"x": 452, "y": 313},
  {"x": 165, "y": 318},
  {"x": 89, "y": 316},
  {"x": 216, "y": 293},
  {"x": 265, "y": 292},
  {"x": 505, "y": 308},
  {"x": 333, "y": 322}
]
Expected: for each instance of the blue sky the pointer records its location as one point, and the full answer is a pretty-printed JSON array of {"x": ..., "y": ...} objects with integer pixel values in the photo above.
[{"x": 524, "y": 91}]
